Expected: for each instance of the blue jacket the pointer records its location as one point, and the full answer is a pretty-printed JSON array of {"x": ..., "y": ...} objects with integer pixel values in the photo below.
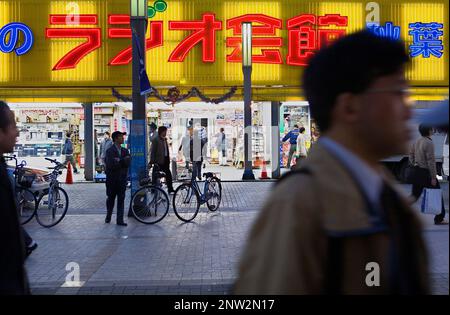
[{"x": 292, "y": 136}]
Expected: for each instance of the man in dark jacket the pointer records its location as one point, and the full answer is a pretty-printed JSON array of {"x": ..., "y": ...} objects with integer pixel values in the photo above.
[
  {"x": 160, "y": 155},
  {"x": 13, "y": 278},
  {"x": 117, "y": 161},
  {"x": 292, "y": 137}
]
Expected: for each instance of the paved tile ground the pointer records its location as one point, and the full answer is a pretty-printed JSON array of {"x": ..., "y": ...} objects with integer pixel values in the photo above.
[{"x": 170, "y": 257}]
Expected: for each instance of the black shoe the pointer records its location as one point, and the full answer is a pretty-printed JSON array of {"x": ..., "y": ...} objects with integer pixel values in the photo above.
[
  {"x": 122, "y": 224},
  {"x": 108, "y": 220},
  {"x": 31, "y": 248}
]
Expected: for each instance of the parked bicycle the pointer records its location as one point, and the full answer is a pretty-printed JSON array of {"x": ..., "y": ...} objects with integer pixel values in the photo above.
[
  {"x": 26, "y": 199},
  {"x": 54, "y": 202},
  {"x": 188, "y": 197},
  {"x": 150, "y": 204}
]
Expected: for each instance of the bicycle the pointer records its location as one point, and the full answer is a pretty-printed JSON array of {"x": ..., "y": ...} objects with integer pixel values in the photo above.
[
  {"x": 54, "y": 200},
  {"x": 188, "y": 197},
  {"x": 26, "y": 199},
  {"x": 150, "y": 204}
]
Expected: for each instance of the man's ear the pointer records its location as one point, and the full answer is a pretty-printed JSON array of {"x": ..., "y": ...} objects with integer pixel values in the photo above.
[{"x": 347, "y": 108}]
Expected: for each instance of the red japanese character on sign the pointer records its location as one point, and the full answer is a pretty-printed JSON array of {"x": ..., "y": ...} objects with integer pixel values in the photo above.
[
  {"x": 125, "y": 56},
  {"x": 204, "y": 31},
  {"x": 268, "y": 28},
  {"x": 305, "y": 35},
  {"x": 93, "y": 36}
]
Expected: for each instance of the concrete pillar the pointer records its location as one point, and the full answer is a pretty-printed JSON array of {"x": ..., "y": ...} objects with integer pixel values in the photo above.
[
  {"x": 89, "y": 142},
  {"x": 275, "y": 134}
]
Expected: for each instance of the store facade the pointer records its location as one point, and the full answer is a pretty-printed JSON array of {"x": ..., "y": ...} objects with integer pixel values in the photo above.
[{"x": 57, "y": 56}]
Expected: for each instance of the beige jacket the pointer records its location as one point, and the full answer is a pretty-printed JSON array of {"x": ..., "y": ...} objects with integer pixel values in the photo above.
[
  {"x": 287, "y": 249},
  {"x": 301, "y": 145},
  {"x": 422, "y": 154}
]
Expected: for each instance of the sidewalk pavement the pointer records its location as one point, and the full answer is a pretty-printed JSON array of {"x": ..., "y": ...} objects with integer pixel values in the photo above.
[{"x": 167, "y": 258}]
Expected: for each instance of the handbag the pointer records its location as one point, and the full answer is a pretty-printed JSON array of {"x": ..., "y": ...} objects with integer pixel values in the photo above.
[{"x": 431, "y": 201}]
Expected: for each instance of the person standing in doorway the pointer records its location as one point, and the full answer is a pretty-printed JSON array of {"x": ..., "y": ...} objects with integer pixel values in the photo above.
[
  {"x": 292, "y": 137},
  {"x": 302, "y": 152},
  {"x": 222, "y": 147},
  {"x": 185, "y": 146},
  {"x": 422, "y": 157},
  {"x": 13, "y": 278},
  {"x": 68, "y": 152},
  {"x": 117, "y": 162},
  {"x": 104, "y": 146},
  {"x": 160, "y": 155}
]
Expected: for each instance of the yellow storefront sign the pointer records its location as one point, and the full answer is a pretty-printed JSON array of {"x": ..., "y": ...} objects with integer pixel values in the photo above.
[{"x": 80, "y": 49}]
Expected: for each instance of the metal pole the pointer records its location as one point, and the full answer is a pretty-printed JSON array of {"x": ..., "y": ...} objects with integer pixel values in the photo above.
[
  {"x": 138, "y": 127},
  {"x": 248, "y": 172},
  {"x": 275, "y": 113},
  {"x": 247, "y": 71}
]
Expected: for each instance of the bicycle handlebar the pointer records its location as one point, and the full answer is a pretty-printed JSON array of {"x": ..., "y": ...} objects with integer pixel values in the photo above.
[{"x": 58, "y": 164}]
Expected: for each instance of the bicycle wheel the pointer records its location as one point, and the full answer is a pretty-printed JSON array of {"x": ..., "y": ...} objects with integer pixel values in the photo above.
[
  {"x": 150, "y": 204},
  {"x": 186, "y": 202},
  {"x": 52, "y": 207},
  {"x": 214, "y": 194},
  {"x": 27, "y": 204}
]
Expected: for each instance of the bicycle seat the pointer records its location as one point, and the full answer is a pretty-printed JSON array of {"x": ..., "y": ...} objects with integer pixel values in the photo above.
[
  {"x": 208, "y": 175},
  {"x": 145, "y": 181},
  {"x": 160, "y": 174}
]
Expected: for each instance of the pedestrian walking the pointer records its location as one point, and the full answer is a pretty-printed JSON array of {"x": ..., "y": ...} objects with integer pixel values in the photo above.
[
  {"x": 13, "y": 278},
  {"x": 197, "y": 153},
  {"x": 67, "y": 150},
  {"x": 160, "y": 155},
  {"x": 222, "y": 147},
  {"x": 292, "y": 137},
  {"x": 302, "y": 152},
  {"x": 338, "y": 224},
  {"x": 185, "y": 147},
  {"x": 422, "y": 158},
  {"x": 117, "y": 162}
]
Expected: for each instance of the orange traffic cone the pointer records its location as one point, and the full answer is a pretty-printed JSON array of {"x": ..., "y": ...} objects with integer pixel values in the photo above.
[
  {"x": 69, "y": 177},
  {"x": 264, "y": 171}
]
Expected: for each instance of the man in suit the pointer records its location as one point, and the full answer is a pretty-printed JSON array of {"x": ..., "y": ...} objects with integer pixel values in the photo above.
[
  {"x": 160, "y": 155},
  {"x": 338, "y": 224},
  {"x": 117, "y": 161},
  {"x": 13, "y": 278}
]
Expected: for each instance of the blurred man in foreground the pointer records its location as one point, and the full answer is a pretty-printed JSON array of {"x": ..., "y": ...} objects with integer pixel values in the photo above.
[{"x": 337, "y": 224}]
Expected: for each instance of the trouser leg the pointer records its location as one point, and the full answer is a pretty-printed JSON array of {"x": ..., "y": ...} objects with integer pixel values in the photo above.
[
  {"x": 110, "y": 200},
  {"x": 440, "y": 217},
  {"x": 291, "y": 153},
  {"x": 27, "y": 238},
  {"x": 169, "y": 179},
  {"x": 121, "y": 202}
]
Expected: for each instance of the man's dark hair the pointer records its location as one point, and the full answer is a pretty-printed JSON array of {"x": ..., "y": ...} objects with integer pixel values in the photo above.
[
  {"x": 153, "y": 126},
  {"x": 161, "y": 129},
  {"x": 424, "y": 130},
  {"x": 68, "y": 135},
  {"x": 107, "y": 133},
  {"x": 222, "y": 129},
  {"x": 302, "y": 130},
  {"x": 5, "y": 116},
  {"x": 295, "y": 126},
  {"x": 351, "y": 64}
]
